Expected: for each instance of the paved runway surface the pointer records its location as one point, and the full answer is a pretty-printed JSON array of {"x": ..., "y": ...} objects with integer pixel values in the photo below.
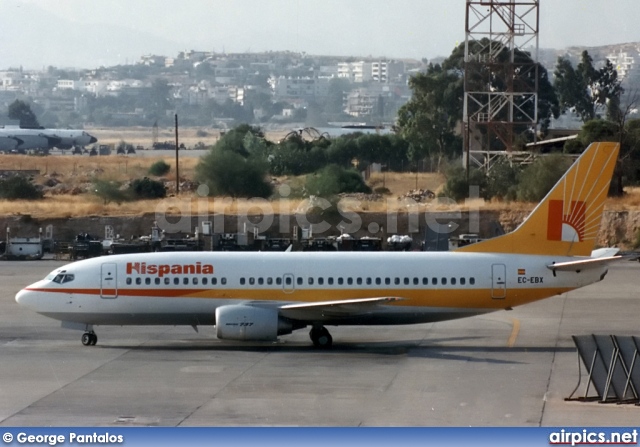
[{"x": 503, "y": 369}]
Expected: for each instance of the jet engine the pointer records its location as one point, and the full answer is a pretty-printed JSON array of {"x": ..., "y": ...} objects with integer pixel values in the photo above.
[{"x": 249, "y": 323}]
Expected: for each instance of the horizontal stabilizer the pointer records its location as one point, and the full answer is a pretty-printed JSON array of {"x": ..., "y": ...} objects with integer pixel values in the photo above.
[{"x": 583, "y": 264}]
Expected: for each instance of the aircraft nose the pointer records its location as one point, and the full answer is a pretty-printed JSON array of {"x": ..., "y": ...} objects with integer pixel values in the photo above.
[
  {"x": 93, "y": 140},
  {"x": 27, "y": 298},
  {"x": 21, "y": 297}
]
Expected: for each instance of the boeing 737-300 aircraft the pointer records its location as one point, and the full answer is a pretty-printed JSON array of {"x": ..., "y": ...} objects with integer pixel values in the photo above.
[{"x": 260, "y": 296}]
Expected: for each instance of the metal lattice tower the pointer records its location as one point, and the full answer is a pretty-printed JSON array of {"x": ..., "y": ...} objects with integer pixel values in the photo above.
[{"x": 500, "y": 85}]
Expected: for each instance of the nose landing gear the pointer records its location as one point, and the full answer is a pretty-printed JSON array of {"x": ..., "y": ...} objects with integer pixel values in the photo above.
[{"x": 89, "y": 338}]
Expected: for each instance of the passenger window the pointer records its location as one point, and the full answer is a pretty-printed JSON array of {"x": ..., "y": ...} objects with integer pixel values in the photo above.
[
  {"x": 279, "y": 281},
  {"x": 167, "y": 281},
  {"x": 138, "y": 281},
  {"x": 378, "y": 281},
  {"x": 128, "y": 280},
  {"x": 194, "y": 281},
  {"x": 252, "y": 281},
  {"x": 453, "y": 281},
  {"x": 176, "y": 280},
  {"x": 368, "y": 281},
  {"x": 425, "y": 281},
  {"x": 349, "y": 281},
  {"x": 147, "y": 281},
  {"x": 434, "y": 281},
  {"x": 330, "y": 281},
  {"x": 299, "y": 280},
  {"x": 260, "y": 281},
  {"x": 214, "y": 281},
  {"x": 406, "y": 281},
  {"x": 340, "y": 281},
  {"x": 359, "y": 281},
  {"x": 242, "y": 281},
  {"x": 416, "y": 281},
  {"x": 288, "y": 281},
  {"x": 443, "y": 281},
  {"x": 472, "y": 281},
  {"x": 205, "y": 281},
  {"x": 223, "y": 281},
  {"x": 462, "y": 281},
  {"x": 387, "y": 281},
  {"x": 157, "y": 281},
  {"x": 269, "y": 280},
  {"x": 185, "y": 281},
  {"x": 396, "y": 281},
  {"x": 320, "y": 281},
  {"x": 310, "y": 281}
]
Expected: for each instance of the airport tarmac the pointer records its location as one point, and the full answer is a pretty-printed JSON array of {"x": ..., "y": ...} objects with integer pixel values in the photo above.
[{"x": 509, "y": 368}]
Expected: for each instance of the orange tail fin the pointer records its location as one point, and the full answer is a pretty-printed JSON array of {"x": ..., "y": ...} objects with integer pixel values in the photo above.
[{"x": 567, "y": 220}]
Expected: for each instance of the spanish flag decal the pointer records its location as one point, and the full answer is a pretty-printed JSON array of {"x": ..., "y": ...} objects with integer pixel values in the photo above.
[{"x": 522, "y": 272}]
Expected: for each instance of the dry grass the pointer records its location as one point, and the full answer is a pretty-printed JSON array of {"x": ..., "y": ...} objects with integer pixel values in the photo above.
[
  {"x": 78, "y": 171},
  {"x": 400, "y": 183}
]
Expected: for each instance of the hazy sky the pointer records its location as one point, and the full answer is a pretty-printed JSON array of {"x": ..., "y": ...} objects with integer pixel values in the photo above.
[{"x": 89, "y": 33}]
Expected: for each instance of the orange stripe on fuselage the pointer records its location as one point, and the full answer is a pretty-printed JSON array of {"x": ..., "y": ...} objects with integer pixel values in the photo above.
[{"x": 449, "y": 298}]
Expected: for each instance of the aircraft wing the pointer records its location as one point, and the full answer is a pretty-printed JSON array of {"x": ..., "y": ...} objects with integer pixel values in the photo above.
[
  {"x": 337, "y": 308},
  {"x": 583, "y": 264}
]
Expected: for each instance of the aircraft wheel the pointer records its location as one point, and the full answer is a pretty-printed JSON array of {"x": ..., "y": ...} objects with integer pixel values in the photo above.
[
  {"x": 321, "y": 337},
  {"x": 89, "y": 339}
]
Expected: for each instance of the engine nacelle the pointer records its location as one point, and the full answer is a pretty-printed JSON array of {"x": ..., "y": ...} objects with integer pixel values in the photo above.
[{"x": 248, "y": 323}]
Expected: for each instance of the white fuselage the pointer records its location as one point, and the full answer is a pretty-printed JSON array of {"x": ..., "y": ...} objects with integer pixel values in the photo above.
[{"x": 186, "y": 288}]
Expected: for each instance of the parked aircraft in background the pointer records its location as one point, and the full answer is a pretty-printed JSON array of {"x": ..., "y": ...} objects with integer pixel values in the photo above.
[
  {"x": 18, "y": 138},
  {"x": 260, "y": 296}
]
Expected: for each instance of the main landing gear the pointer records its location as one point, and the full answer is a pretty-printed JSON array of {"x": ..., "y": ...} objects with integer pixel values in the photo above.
[
  {"x": 89, "y": 338},
  {"x": 320, "y": 337}
]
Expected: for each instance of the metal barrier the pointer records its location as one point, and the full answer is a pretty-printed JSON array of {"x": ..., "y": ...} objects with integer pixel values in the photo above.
[{"x": 612, "y": 366}]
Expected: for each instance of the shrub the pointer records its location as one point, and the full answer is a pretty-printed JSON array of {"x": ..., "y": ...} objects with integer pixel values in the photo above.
[
  {"x": 19, "y": 188},
  {"x": 109, "y": 191},
  {"x": 502, "y": 180},
  {"x": 333, "y": 180},
  {"x": 147, "y": 189},
  {"x": 457, "y": 186},
  {"x": 159, "y": 168},
  {"x": 540, "y": 176}
]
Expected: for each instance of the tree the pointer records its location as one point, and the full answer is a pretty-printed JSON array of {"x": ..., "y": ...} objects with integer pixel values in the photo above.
[
  {"x": 587, "y": 89},
  {"x": 21, "y": 111},
  {"x": 228, "y": 173},
  {"x": 236, "y": 165},
  {"x": 429, "y": 119},
  {"x": 498, "y": 77}
]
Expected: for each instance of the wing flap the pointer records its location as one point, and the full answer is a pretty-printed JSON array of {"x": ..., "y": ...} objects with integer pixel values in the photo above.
[{"x": 336, "y": 308}]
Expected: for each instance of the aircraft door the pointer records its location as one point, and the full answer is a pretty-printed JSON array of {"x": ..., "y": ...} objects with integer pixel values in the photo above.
[
  {"x": 498, "y": 281},
  {"x": 108, "y": 280},
  {"x": 288, "y": 283}
]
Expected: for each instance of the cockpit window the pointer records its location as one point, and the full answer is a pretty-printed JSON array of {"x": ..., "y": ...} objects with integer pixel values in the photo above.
[{"x": 61, "y": 277}]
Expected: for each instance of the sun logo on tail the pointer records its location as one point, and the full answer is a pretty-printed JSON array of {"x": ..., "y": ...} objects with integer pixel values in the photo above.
[{"x": 566, "y": 226}]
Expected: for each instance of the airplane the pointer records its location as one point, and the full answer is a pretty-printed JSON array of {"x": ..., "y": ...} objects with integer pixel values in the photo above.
[
  {"x": 41, "y": 138},
  {"x": 259, "y": 296}
]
